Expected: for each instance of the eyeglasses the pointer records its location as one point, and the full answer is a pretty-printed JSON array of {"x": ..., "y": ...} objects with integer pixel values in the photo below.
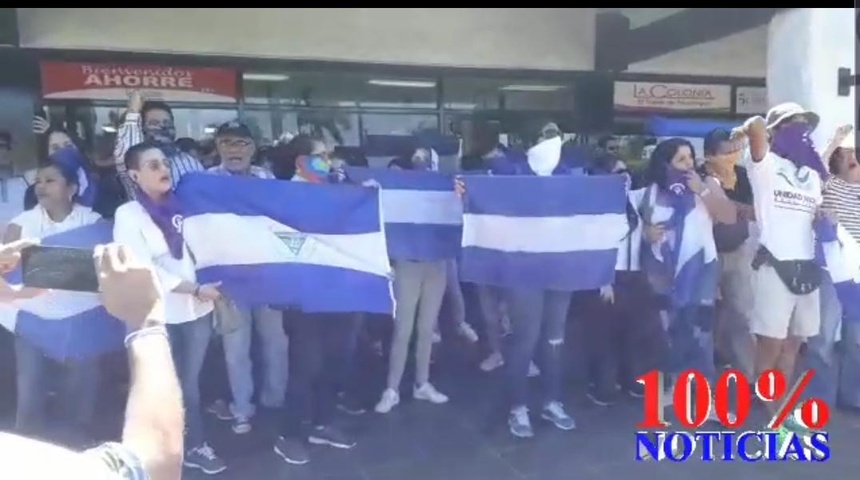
[{"x": 238, "y": 143}]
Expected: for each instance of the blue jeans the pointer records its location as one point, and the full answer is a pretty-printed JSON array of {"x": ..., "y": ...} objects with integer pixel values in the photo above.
[
  {"x": 189, "y": 342},
  {"x": 237, "y": 353},
  {"x": 837, "y": 371},
  {"x": 490, "y": 299},
  {"x": 78, "y": 389},
  {"x": 538, "y": 321},
  {"x": 691, "y": 329}
]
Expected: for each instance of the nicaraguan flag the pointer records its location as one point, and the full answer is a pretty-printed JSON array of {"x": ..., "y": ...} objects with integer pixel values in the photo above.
[
  {"x": 66, "y": 325},
  {"x": 423, "y": 216},
  {"x": 558, "y": 233},
  {"x": 686, "y": 261},
  {"x": 839, "y": 254},
  {"x": 317, "y": 247}
]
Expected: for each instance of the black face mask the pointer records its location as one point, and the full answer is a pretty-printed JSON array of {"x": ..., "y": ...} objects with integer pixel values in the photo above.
[{"x": 163, "y": 134}]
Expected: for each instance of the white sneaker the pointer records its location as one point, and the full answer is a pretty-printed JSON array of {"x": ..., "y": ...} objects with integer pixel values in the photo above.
[
  {"x": 429, "y": 393},
  {"x": 389, "y": 400},
  {"x": 534, "y": 371},
  {"x": 467, "y": 332},
  {"x": 494, "y": 361},
  {"x": 437, "y": 337}
]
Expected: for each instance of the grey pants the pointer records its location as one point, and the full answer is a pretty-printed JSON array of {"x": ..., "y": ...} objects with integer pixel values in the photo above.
[{"x": 418, "y": 290}]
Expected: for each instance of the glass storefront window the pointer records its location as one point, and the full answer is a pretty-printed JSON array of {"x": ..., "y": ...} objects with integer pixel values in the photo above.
[
  {"x": 492, "y": 94},
  {"x": 398, "y": 124},
  {"x": 308, "y": 89},
  {"x": 336, "y": 127},
  {"x": 269, "y": 125}
]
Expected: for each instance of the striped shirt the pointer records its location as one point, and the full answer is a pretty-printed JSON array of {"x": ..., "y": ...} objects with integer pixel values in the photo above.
[
  {"x": 255, "y": 171},
  {"x": 130, "y": 134},
  {"x": 843, "y": 199}
]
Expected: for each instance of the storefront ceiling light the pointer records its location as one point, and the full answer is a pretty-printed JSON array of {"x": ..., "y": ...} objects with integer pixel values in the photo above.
[
  {"x": 209, "y": 130},
  {"x": 108, "y": 129},
  {"x": 402, "y": 83},
  {"x": 265, "y": 77},
  {"x": 532, "y": 88}
]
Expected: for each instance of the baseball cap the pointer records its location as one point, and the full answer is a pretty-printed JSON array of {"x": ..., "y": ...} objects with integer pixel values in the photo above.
[{"x": 234, "y": 128}]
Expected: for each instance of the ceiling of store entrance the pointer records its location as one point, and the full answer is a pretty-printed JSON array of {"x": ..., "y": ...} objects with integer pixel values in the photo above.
[{"x": 643, "y": 16}]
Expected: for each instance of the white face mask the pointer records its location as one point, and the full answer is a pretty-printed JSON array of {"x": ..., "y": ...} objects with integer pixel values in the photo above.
[{"x": 544, "y": 157}]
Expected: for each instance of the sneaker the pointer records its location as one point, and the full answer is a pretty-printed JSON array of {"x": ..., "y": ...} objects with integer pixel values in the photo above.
[
  {"x": 520, "y": 424},
  {"x": 600, "y": 398},
  {"x": 494, "y": 361},
  {"x": 534, "y": 371},
  {"x": 429, "y": 393},
  {"x": 437, "y": 337},
  {"x": 241, "y": 425},
  {"x": 204, "y": 459},
  {"x": 390, "y": 399},
  {"x": 332, "y": 437},
  {"x": 554, "y": 412},
  {"x": 293, "y": 451},
  {"x": 347, "y": 404},
  {"x": 467, "y": 332},
  {"x": 221, "y": 410}
]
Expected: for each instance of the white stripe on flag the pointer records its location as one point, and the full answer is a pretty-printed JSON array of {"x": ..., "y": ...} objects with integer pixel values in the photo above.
[
  {"x": 544, "y": 234},
  {"x": 421, "y": 207},
  {"x": 228, "y": 239}
]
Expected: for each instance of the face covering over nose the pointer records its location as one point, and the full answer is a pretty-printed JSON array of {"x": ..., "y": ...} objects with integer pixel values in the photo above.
[
  {"x": 164, "y": 135},
  {"x": 543, "y": 158},
  {"x": 793, "y": 142}
]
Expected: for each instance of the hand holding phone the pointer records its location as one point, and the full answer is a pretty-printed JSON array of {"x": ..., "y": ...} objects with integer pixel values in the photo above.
[{"x": 59, "y": 268}]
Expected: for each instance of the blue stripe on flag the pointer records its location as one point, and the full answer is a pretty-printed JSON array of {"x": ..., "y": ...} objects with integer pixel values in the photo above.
[
  {"x": 423, "y": 216},
  {"x": 309, "y": 208},
  {"x": 571, "y": 271},
  {"x": 556, "y": 233},
  {"x": 316, "y": 247},
  {"x": 559, "y": 196},
  {"x": 312, "y": 288},
  {"x": 82, "y": 334}
]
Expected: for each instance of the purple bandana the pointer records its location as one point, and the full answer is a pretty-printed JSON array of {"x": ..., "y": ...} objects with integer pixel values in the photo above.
[
  {"x": 792, "y": 142},
  {"x": 167, "y": 215}
]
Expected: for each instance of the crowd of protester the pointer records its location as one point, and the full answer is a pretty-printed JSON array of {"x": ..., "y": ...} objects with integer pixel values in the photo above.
[{"x": 757, "y": 300}]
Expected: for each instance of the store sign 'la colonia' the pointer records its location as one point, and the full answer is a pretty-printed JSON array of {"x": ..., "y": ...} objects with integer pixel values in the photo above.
[{"x": 656, "y": 96}]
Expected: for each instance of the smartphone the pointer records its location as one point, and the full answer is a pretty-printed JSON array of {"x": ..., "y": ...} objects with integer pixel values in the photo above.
[{"x": 59, "y": 268}]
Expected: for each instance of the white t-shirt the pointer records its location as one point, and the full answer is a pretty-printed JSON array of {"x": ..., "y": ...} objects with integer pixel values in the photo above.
[
  {"x": 35, "y": 223},
  {"x": 786, "y": 199},
  {"x": 134, "y": 228}
]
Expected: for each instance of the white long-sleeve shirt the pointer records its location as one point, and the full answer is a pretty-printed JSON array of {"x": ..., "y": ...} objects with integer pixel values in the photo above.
[{"x": 134, "y": 228}]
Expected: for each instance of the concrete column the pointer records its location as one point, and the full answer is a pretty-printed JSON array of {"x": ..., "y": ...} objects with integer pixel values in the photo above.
[{"x": 805, "y": 49}]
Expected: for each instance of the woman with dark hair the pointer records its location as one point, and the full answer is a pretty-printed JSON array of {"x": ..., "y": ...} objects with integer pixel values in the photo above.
[
  {"x": 57, "y": 185},
  {"x": 678, "y": 210},
  {"x": 322, "y": 345}
]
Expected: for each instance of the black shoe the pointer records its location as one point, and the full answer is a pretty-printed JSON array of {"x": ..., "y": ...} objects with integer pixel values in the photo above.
[
  {"x": 332, "y": 437},
  {"x": 600, "y": 398},
  {"x": 293, "y": 451}
]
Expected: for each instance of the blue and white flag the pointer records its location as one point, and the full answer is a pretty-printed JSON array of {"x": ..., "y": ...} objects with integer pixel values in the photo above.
[
  {"x": 839, "y": 254},
  {"x": 320, "y": 248},
  {"x": 423, "y": 216},
  {"x": 558, "y": 233},
  {"x": 65, "y": 325}
]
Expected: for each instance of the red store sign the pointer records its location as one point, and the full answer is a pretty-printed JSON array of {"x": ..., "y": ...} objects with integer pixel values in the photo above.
[{"x": 100, "y": 81}]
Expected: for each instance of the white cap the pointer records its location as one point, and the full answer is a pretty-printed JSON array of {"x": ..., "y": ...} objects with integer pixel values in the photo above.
[{"x": 849, "y": 141}]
